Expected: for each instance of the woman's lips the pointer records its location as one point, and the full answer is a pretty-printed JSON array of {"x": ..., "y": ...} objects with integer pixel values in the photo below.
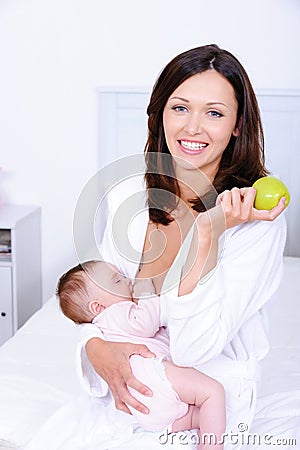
[{"x": 192, "y": 147}]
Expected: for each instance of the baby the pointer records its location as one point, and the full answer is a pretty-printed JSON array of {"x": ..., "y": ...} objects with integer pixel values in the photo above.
[{"x": 183, "y": 398}]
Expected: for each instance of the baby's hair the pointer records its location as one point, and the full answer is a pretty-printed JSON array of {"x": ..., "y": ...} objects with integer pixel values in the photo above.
[{"x": 72, "y": 292}]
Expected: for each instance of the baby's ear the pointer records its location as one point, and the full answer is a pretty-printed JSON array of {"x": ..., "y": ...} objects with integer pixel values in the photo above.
[{"x": 96, "y": 307}]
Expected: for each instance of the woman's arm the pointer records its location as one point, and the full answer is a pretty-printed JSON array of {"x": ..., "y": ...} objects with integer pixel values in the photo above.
[
  {"x": 244, "y": 278},
  {"x": 232, "y": 208}
]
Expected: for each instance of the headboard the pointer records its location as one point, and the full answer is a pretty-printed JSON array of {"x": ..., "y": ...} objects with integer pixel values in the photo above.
[{"x": 123, "y": 129}]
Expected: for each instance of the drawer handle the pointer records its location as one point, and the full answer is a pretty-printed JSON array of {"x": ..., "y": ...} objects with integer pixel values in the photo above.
[{"x": 3, "y": 314}]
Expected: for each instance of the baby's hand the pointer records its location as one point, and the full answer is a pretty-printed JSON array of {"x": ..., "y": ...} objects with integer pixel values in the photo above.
[{"x": 143, "y": 286}]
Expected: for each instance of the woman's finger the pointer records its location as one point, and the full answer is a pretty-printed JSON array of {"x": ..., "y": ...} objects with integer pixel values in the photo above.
[
  {"x": 127, "y": 399},
  {"x": 119, "y": 379},
  {"x": 142, "y": 350},
  {"x": 248, "y": 196},
  {"x": 225, "y": 200},
  {"x": 125, "y": 377},
  {"x": 129, "y": 378},
  {"x": 120, "y": 405},
  {"x": 269, "y": 215},
  {"x": 236, "y": 201},
  {"x": 123, "y": 398}
]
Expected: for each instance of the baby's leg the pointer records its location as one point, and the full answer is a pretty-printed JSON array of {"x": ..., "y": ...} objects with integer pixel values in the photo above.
[{"x": 207, "y": 399}]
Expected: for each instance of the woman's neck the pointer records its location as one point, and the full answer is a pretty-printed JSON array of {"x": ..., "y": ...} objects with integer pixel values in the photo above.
[{"x": 192, "y": 183}]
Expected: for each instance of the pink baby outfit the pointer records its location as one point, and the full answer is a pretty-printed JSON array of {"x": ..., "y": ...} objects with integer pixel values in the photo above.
[{"x": 140, "y": 324}]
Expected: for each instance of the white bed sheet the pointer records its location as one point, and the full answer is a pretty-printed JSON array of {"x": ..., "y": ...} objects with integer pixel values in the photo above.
[
  {"x": 39, "y": 390},
  {"x": 37, "y": 373}
]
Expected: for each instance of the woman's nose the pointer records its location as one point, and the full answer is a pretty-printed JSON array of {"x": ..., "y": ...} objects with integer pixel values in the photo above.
[{"x": 194, "y": 124}]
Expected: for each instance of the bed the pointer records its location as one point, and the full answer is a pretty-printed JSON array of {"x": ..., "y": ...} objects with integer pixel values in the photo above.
[{"x": 39, "y": 389}]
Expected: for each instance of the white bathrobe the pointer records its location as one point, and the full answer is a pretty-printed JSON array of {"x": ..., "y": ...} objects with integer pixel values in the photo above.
[{"x": 220, "y": 328}]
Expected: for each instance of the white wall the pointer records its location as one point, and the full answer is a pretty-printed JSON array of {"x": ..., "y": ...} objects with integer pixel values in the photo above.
[{"x": 55, "y": 54}]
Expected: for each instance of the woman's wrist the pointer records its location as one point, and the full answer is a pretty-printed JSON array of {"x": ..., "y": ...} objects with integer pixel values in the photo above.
[
  {"x": 203, "y": 252},
  {"x": 201, "y": 260}
]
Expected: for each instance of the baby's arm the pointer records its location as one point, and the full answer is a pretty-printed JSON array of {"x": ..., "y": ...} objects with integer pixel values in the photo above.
[{"x": 139, "y": 319}]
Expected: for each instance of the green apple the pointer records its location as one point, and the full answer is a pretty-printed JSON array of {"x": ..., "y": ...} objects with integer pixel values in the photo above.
[{"x": 269, "y": 191}]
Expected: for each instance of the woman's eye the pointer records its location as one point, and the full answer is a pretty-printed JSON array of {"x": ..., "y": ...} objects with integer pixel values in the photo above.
[
  {"x": 179, "y": 108},
  {"x": 215, "y": 114}
]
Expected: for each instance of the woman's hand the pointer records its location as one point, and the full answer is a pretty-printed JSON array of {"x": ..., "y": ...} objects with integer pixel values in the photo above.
[
  {"x": 111, "y": 362},
  {"x": 237, "y": 205},
  {"x": 232, "y": 208}
]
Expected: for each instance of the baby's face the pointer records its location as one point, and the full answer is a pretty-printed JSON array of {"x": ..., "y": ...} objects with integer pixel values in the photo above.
[{"x": 109, "y": 284}]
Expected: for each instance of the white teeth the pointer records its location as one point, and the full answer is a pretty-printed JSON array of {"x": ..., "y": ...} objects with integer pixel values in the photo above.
[{"x": 192, "y": 145}]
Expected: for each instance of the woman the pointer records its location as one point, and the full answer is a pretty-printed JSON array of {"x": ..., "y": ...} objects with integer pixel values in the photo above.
[{"x": 204, "y": 151}]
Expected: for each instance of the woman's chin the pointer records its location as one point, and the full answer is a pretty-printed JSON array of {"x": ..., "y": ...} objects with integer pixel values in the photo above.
[{"x": 186, "y": 162}]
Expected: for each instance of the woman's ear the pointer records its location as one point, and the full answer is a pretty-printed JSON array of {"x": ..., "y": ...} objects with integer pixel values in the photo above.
[
  {"x": 96, "y": 307},
  {"x": 236, "y": 131}
]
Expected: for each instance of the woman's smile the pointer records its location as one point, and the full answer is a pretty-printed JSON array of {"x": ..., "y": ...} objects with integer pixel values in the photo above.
[{"x": 192, "y": 147}]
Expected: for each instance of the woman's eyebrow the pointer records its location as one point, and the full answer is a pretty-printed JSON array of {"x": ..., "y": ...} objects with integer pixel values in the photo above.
[
  {"x": 216, "y": 103},
  {"x": 180, "y": 98},
  {"x": 208, "y": 103}
]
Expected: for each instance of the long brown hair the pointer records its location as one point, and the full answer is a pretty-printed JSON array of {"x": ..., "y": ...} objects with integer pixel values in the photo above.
[{"x": 243, "y": 160}]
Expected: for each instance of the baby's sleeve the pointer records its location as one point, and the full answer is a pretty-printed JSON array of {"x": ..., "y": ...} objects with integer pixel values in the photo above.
[{"x": 139, "y": 320}]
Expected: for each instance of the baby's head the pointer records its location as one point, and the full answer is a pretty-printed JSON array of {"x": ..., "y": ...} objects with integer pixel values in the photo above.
[{"x": 87, "y": 289}]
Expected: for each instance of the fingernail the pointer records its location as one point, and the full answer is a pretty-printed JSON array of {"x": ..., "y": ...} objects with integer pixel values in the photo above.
[
  {"x": 148, "y": 393},
  {"x": 145, "y": 411}
]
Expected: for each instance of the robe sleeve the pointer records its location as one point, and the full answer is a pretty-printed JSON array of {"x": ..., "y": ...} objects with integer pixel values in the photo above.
[
  {"x": 246, "y": 276},
  {"x": 92, "y": 383}
]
